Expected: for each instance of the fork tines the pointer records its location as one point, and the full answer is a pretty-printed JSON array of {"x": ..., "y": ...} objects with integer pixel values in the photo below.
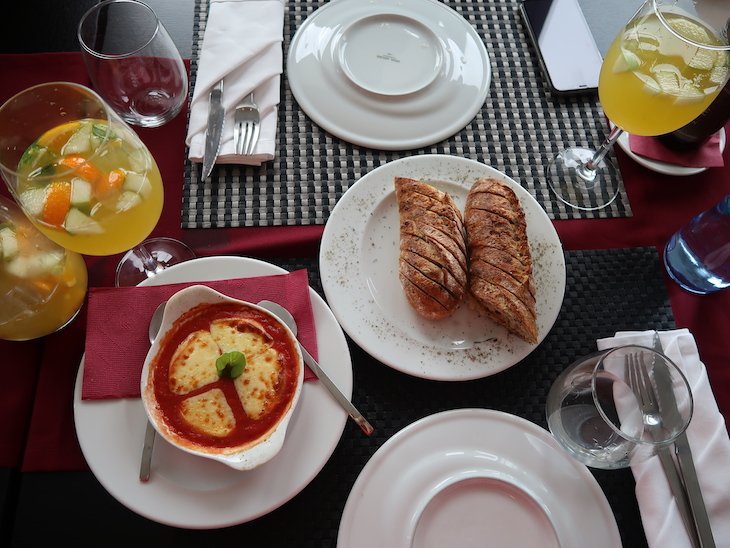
[{"x": 246, "y": 124}]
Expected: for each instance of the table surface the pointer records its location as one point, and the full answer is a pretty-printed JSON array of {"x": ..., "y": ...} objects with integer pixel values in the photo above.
[{"x": 79, "y": 508}]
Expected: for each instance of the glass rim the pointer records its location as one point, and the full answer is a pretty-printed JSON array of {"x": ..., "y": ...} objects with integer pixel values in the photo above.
[
  {"x": 97, "y": 7},
  {"x": 672, "y": 366},
  {"x": 657, "y": 6},
  {"x": 12, "y": 171}
]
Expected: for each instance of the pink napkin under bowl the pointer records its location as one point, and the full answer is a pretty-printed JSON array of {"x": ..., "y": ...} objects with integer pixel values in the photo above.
[
  {"x": 708, "y": 155},
  {"x": 118, "y": 319}
]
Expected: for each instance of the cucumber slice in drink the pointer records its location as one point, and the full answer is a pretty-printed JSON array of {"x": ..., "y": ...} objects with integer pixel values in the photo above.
[
  {"x": 128, "y": 200},
  {"x": 139, "y": 184},
  {"x": 79, "y": 142},
  {"x": 32, "y": 200},
  {"x": 81, "y": 192},
  {"x": 39, "y": 264},
  {"x": 77, "y": 222},
  {"x": 8, "y": 243}
]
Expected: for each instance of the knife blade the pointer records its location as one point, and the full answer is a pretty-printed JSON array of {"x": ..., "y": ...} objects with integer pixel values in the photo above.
[
  {"x": 687, "y": 472},
  {"x": 214, "y": 130}
]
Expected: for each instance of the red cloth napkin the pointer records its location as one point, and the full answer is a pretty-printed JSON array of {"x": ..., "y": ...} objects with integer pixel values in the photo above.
[
  {"x": 117, "y": 338},
  {"x": 708, "y": 155}
]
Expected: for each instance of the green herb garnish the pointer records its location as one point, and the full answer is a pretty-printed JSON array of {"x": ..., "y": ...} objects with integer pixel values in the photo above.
[
  {"x": 231, "y": 364},
  {"x": 100, "y": 131}
]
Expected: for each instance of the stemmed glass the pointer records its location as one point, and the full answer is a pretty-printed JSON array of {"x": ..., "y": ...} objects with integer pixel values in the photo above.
[
  {"x": 132, "y": 61},
  {"x": 79, "y": 173},
  {"x": 662, "y": 71}
]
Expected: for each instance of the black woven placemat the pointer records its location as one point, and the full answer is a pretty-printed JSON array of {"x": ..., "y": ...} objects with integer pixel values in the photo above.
[{"x": 520, "y": 127}]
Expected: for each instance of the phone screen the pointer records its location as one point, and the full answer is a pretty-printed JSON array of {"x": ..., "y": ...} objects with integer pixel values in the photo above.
[{"x": 568, "y": 52}]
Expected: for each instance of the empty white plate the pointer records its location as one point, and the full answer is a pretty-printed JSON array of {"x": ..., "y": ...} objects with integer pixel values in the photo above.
[{"x": 388, "y": 74}]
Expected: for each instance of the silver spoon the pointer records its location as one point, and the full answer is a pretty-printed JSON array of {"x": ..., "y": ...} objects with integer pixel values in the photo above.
[
  {"x": 149, "y": 435},
  {"x": 285, "y": 316}
]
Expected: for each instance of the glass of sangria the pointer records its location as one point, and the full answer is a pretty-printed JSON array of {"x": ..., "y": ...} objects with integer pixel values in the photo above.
[
  {"x": 42, "y": 285},
  {"x": 662, "y": 71},
  {"x": 80, "y": 174}
]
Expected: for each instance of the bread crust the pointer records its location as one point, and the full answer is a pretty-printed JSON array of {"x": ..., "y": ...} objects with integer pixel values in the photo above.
[
  {"x": 432, "y": 264},
  {"x": 500, "y": 263}
]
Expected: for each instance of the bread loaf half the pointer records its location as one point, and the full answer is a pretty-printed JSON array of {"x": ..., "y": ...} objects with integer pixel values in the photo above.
[
  {"x": 432, "y": 265},
  {"x": 500, "y": 264}
]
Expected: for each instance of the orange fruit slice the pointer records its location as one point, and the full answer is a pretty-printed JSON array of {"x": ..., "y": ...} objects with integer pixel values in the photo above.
[{"x": 57, "y": 203}]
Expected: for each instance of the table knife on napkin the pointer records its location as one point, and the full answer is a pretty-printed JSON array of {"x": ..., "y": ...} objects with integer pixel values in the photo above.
[
  {"x": 214, "y": 130},
  {"x": 688, "y": 474}
]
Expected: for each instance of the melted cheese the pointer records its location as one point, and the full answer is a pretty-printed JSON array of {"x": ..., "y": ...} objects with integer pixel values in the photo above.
[
  {"x": 209, "y": 412},
  {"x": 257, "y": 386},
  {"x": 244, "y": 335},
  {"x": 193, "y": 363}
]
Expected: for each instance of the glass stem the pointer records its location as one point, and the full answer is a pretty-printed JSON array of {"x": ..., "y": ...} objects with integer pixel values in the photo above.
[{"x": 590, "y": 165}]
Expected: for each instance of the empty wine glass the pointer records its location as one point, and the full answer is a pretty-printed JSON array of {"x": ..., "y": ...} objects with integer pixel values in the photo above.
[
  {"x": 132, "y": 61},
  {"x": 662, "y": 71}
]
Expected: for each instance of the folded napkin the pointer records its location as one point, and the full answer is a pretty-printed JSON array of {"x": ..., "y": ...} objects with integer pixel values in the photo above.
[
  {"x": 242, "y": 45},
  {"x": 708, "y": 155},
  {"x": 707, "y": 437},
  {"x": 118, "y": 319}
]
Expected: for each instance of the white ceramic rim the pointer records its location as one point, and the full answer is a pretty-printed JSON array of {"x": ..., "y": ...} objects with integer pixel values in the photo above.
[{"x": 264, "y": 450}]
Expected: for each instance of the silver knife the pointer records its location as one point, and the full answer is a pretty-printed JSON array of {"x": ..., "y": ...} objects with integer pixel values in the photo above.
[
  {"x": 698, "y": 512},
  {"x": 214, "y": 131}
]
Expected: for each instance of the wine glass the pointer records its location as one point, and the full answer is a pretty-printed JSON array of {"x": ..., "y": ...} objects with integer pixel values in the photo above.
[
  {"x": 79, "y": 173},
  {"x": 132, "y": 61},
  {"x": 662, "y": 71},
  {"x": 42, "y": 285}
]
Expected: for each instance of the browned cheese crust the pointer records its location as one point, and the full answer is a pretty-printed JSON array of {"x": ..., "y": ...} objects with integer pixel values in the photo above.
[
  {"x": 500, "y": 265},
  {"x": 432, "y": 266}
]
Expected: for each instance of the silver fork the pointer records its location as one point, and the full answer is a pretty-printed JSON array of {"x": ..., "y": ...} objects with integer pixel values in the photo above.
[
  {"x": 640, "y": 382},
  {"x": 246, "y": 124}
]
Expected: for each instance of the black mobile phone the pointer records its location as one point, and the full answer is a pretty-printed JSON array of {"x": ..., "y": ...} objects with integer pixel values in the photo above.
[{"x": 567, "y": 52}]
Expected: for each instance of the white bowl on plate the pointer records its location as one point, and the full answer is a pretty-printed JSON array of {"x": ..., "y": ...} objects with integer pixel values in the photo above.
[{"x": 253, "y": 452}]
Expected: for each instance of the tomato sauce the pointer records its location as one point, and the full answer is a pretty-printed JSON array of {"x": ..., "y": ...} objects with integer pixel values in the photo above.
[{"x": 246, "y": 429}]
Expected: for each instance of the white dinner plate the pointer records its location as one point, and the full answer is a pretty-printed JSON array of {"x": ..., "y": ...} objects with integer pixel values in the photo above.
[
  {"x": 359, "y": 269},
  {"x": 468, "y": 477},
  {"x": 388, "y": 74},
  {"x": 199, "y": 493},
  {"x": 662, "y": 167}
]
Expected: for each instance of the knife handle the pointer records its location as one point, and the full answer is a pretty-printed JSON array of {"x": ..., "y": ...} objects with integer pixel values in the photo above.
[
  {"x": 694, "y": 492},
  {"x": 680, "y": 494}
]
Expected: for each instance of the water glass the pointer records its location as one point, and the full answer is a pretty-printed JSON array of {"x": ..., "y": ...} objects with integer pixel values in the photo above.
[
  {"x": 697, "y": 256},
  {"x": 132, "y": 61},
  {"x": 593, "y": 409}
]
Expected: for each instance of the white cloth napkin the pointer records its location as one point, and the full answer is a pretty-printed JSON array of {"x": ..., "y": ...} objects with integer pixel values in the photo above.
[
  {"x": 708, "y": 438},
  {"x": 243, "y": 46}
]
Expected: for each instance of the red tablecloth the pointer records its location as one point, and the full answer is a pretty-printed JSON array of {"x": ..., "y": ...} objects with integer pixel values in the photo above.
[{"x": 39, "y": 376}]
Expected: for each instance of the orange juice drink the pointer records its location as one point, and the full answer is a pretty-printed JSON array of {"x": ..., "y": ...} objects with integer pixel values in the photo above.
[
  {"x": 652, "y": 82},
  {"x": 91, "y": 186},
  {"x": 41, "y": 284}
]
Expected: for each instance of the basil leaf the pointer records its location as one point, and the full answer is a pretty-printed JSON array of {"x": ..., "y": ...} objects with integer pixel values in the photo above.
[{"x": 231, "y": 364}]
